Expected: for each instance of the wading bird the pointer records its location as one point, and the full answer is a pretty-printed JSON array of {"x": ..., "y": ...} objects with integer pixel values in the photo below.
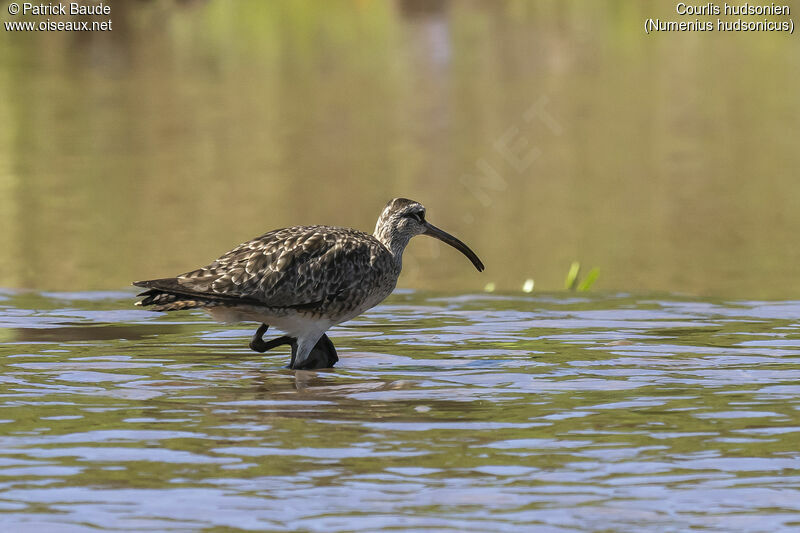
[{"x": 302, "y": 280}]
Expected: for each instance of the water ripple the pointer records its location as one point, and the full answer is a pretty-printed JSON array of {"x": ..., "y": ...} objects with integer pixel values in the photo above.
[{"x": 468, "y": 413}]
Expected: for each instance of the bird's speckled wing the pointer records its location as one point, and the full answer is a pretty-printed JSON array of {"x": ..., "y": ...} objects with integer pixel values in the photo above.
[{"x": 299, "y": 267}]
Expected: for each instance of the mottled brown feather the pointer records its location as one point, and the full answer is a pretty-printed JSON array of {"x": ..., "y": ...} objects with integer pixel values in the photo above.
[{"x": 323, "y": 269}]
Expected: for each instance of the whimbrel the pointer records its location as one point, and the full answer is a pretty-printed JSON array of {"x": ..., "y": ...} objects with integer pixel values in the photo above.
[{"x": 302, "y": 280}]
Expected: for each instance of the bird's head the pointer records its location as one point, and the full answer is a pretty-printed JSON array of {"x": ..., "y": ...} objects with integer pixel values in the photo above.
[{"x": 403, "y": 219}]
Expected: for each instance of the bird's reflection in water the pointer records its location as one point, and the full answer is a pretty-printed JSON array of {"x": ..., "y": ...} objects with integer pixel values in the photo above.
[{"x": 322, "y": 384}]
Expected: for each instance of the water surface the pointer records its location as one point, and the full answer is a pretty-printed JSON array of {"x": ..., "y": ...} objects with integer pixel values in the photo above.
[{"x": 445, "y": 413}]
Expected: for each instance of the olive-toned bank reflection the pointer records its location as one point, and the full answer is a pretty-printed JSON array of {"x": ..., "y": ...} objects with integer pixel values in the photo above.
[{"x": 538, "y": 132}]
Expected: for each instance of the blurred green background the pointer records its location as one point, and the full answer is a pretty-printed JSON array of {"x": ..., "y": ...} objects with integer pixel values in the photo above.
[{"x": 539, "y": 132}]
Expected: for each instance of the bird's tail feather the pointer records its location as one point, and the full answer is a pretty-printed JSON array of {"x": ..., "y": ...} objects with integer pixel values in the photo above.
[
  {"x": 168, "y": 294},
  {"x": 158, "y": 300}
]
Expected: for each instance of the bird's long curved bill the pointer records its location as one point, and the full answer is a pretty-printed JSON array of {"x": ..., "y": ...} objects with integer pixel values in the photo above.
[{"x": 445, "y": 237}]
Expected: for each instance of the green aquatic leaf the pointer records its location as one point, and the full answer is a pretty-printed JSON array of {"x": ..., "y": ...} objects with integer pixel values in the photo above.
[
  {"x": 572, "y": 276},
  {"x": 591, "y": 277}
]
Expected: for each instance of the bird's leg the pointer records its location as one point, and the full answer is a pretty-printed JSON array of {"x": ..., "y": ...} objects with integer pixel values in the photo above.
[
  {"x": 278, "y": 341},
  {"x": 293, "y": 342},
  {"x": 323, "y": 355},
  {"x": 257, "y": 344}
]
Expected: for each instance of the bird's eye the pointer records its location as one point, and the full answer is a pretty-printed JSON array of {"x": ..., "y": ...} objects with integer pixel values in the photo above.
[{"x": 419, "y": 216}]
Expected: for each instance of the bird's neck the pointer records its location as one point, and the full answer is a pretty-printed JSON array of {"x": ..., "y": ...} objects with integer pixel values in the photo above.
[{"x": 393, "y": 242}]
